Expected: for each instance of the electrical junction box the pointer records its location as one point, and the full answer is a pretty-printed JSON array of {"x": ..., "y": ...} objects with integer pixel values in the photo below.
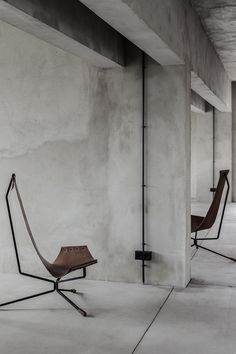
[{"x": 143, "y": 255}]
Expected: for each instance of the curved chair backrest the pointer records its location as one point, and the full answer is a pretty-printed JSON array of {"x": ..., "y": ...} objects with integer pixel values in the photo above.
[
  {"x": 69, "y": 259},
  {"x": 211, "y": 215},
  {"x": 12, "y": 185}
]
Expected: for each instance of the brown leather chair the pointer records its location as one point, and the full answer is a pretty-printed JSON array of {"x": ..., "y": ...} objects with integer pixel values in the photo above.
[
  {"x": 199, "y": 223},
  {"x": 69, "y": 259}
]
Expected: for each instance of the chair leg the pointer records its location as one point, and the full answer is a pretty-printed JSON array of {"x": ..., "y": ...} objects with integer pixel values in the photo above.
[
  {"x": 71, "y": 302},
  {"x": 219, "y": 254},
  {"x": 60, "y": 292},
  {"x": 27, "y": 297},
  {"x": 74, "y": 291}
]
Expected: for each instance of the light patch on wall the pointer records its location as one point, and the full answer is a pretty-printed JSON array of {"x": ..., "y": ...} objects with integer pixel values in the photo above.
[{"x": 45, "y": 98}]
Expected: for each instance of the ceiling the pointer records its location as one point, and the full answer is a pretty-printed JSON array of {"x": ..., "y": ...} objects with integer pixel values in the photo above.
[{"x": 219, "y": 20}]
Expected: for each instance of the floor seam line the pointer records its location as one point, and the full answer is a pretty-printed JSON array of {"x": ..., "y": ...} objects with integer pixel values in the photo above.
[{"x": 153, "y": 320}]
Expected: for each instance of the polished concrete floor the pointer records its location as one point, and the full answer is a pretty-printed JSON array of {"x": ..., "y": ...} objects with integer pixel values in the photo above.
[{"x": 130, "y": 318}]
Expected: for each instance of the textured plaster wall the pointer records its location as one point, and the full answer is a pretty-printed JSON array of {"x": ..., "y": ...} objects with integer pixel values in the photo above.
[
  {"x": 201, "y": 156},
  {"x": 168, "y": 172},
  {"x": 52, "y": 130},
  {"x": 71, "y": 133}
]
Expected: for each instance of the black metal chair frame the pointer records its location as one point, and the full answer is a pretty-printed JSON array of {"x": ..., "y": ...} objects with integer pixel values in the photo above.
[
  {"x": 55, "y": 283},
  {"x": 196, "y": 239}
]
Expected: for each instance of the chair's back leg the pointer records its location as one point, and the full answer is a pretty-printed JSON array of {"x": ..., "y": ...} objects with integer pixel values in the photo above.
[
  {"x": 11, "y": 185},
  {"x": 223, "y": 211}
]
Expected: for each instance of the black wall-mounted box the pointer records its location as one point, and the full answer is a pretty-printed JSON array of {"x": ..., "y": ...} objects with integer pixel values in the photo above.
[{"x": 143, "y": 255}]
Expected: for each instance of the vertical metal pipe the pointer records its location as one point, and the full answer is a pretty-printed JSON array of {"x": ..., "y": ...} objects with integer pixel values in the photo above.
[
  {"x": 143, "y": 165},
  {"x": 233, "y": 183},
  {"x": 213, "y": 148}
]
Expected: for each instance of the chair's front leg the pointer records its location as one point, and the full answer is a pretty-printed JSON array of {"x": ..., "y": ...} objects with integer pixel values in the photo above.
[{"x": 27, "y": 297}]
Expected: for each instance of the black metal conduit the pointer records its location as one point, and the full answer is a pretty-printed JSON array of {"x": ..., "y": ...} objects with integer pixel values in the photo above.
[
  {"x": 143, "y": 166},
  {"x": 142, "y": 254},
  {"x": 213, "y": 147}
]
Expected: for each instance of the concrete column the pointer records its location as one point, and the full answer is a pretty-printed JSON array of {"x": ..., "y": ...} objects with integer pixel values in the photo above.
[
  {"x": 234, "y": 141},
  {"x": 168, "y": 173},
  {"x": 202, "y": 152},
  {"x": 201, "y": 156},
  {"x": 223, "y": 145}
]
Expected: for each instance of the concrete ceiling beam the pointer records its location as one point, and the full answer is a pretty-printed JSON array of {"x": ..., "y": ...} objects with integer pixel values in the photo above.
[
  {"x": 171, "y": 33},
  {"x": 68, "y": 25}
]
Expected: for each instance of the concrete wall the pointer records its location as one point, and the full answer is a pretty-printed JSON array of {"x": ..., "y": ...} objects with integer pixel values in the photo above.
[
  {"x": 72, "y": 135},
  {"x": 123, "y": 107},
  {"x": 223, "y": 145},
  {"x": 201, "y": 156},
  {"x": 202, "y": 152},
  {"x": 234, "y": 141},
  {"x": 168, "y": 172}
]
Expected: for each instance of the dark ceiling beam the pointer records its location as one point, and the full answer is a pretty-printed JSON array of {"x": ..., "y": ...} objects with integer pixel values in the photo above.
[{"x": 69, "y": 25}]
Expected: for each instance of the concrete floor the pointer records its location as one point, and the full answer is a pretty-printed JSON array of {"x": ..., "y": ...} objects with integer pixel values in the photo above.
[
  {"x": 118, "y": 316},
  {"x": 201, "y": 318},
  {"x": 130, "y": 318}
]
